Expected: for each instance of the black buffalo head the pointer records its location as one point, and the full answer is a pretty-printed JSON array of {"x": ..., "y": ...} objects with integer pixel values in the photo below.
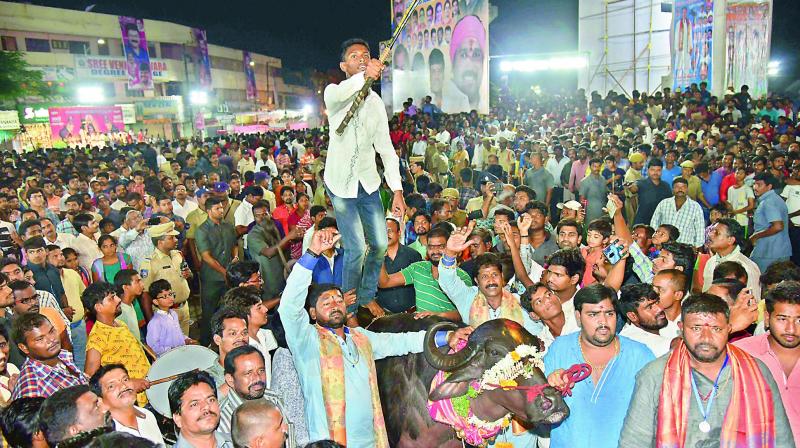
[{"x": 487, "y": 345}]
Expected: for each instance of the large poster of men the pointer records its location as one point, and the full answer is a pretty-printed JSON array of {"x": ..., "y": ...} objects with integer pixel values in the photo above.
[
  {"x": 748, "y": 31},
  {"x": 137, "y": 58},
  {"x": 443, "y": 53},
  {"x": 692, "y": 33},
  {"x": 249, "y": 75},
  {"x": 203, "y": 63}
]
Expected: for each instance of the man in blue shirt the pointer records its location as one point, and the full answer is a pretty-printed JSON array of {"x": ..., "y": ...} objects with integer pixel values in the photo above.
[
  {"x": 709, "y": 182},
  {"x": 599, "y": 404},
  {"x": 770, "y": 241}
]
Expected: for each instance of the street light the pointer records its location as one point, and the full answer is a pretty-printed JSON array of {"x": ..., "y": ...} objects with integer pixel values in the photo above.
[
  {"x": 101, "y": 41},
  {"x": 90, "y": 94},
  {"x": 252, "y": 63},
  {"x": 198, "y": 97},
  {"x": 307, "y": 109},
  {"x": 773, "y": 68}
]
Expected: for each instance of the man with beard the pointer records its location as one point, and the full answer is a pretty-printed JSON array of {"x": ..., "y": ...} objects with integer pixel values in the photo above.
[
  {"x": 467, "y": 56},
  {"x": 707, "y": 392},
  {"x": 110, "y": 341},
  {"x": 334, "y": 363},
  {"x": 229, "y": 330},
  {"x": 195, "y": 411},
  {"x": 779, "y": 349},
  {"x": 216, "y": 244},
  {"x": 597, "y": 407},
  {"x": 112, "y": 383},
  {"x": 569, "y": 234},
  {"x": 651, "y": 191},
  {"x": 248, "y": 298},
  {"x": 422, "y": 225},
  {"x": 71, "y": 414},
  {"x": 771, "y": 224},
  {"x": 424, "y": 275},
  {"x": 682, "y": 212},
  {"x": 725, "y": 241},
  {"x": 48, "y": 367},
  {"x": 639, "y": 306},
  {"x": 246, "y": 378},
  {"x": 266, "y": 244}
]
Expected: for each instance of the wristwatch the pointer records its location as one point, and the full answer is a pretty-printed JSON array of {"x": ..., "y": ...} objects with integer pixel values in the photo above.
[{"x": 312, "y": 253}]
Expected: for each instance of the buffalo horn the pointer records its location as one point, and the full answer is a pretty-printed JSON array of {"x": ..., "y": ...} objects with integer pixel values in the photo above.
[{"x": 439, "y": 360}]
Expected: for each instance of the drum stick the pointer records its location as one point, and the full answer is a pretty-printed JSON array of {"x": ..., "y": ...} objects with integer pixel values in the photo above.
[{"x": 171, "y": 378}]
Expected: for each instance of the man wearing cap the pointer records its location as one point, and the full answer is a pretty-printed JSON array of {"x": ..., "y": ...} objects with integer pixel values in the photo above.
[
  {"x": 695, "y": 188},
  {"x": 166, "y": 263},
  {"x": 478, "y": 208},
  {"x": 459, "y": 216},
  {"x": 570, "y": 210}
]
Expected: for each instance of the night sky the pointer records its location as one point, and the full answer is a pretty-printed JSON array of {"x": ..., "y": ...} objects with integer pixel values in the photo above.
[{"x": 308, "y": 33}]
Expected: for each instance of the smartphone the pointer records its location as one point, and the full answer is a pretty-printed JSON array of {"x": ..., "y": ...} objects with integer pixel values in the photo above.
[
  {"x": 498, "y": 188},
  {"x": 613, "y": 252}
]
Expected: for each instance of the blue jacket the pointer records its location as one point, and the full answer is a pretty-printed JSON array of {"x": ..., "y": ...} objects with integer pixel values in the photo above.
[{"x": 322, "y": 270}]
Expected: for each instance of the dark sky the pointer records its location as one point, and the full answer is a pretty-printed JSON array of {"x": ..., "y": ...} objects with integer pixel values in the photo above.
[{"x": 307, "y": 33}]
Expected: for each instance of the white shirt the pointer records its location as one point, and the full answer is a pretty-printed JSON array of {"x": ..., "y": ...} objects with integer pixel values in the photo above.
[
  {"x": 148, "y": 427},
  {"x": 62, "y": 240},
  {"x": 792, "y": 195},
  {"x": 271, "y": 167},
  {"x": 419, "y": 148},
  {"x": 243, "y": 216},
  {"x": 183, "y": 210},
  {"x": 671, "y": 331},
  {"x": 351, "y": 156},
  {"x": 555, "y": 167},
  {"x": 118, "y": 205},
  {"x": 87, "y": 250},
  {"x": 570, "y": 323},
  {"x": 265, "y": 343},
  {"x": 657, "y": 344}
]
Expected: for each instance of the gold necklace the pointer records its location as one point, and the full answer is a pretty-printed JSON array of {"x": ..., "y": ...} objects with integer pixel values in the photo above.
[{"x": 585, "y": 358}]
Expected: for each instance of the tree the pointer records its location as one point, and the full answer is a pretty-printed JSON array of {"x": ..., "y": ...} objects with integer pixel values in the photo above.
[{"x": 18, "y": 79}]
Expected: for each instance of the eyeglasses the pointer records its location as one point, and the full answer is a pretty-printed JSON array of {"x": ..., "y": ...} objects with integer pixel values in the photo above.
[{"x": 29, "y": 300}]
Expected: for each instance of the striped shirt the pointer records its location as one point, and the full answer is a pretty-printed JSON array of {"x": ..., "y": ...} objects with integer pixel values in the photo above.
[
  {"x": 429, "y": 295},
  {"x": 232, "y": 401}
]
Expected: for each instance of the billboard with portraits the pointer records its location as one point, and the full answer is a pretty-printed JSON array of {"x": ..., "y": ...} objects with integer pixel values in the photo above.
[
  {"x": 137, "y": 59},
  {"x": 692, "y": 43},
  {"x": 443, "y": 52}
]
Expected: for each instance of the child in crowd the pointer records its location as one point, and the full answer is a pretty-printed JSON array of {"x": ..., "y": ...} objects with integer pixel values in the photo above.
[
  {"x": 164, "y": 331},
  {"x": 597, "y": 237},
  {"x": 666, "y": 233}
]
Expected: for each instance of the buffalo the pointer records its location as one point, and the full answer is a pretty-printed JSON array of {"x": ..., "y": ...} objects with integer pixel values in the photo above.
[{"x": 404, "y": 381}]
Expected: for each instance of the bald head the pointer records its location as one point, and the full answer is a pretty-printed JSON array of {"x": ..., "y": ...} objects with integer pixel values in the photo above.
[{"x": 258, "y": 423}]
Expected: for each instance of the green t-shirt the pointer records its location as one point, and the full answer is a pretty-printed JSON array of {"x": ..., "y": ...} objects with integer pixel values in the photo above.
[{"x": 429, "y": 296}]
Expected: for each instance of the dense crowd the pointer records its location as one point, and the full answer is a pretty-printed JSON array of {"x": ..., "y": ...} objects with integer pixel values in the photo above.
[{"x": 639, "y": 235}]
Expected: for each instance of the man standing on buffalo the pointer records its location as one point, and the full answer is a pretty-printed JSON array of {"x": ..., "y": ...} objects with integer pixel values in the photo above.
[
  {"x": 335, "y": 364},
  {"x": 597, "y": 407},
  {"x": 351, "y": 176}
]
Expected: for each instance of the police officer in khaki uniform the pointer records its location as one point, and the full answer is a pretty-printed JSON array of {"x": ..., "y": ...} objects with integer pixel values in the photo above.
[{"x": 166, "y": 262}]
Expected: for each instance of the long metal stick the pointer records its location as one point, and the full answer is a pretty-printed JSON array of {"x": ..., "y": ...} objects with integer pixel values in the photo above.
[{"x": 362, "y": 94}]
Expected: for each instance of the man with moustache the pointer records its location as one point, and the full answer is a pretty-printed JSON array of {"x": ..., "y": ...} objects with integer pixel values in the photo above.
[
  {"x": 229, "y": 330},
  {"x": 707, "y": 392},
  {"x": 779, "y": 349},
  {"x": 682, "y": 212},
  {"x": 489, "y": 300},
  {"x": 597, "y": 406},
  {"x": 334, "y": 363},
  {"x": 569, "y": 234},
  {"x": 424, "y": 275},
  {"x": 112, "y": 383},
  {"x": 639, "y": 305},
  {"x": 195, "y": 411},
  {"x": 467, "y": 55},
  {"x": 246, "y": 378}
]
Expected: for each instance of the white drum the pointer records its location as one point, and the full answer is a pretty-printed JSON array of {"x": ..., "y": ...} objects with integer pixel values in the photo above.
[{"x": 174, "y": 362}]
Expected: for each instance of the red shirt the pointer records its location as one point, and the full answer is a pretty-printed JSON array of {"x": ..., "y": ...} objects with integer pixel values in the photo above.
[
  {"x": 727, "y": 182},
  {"x": 281, "y": 214}
]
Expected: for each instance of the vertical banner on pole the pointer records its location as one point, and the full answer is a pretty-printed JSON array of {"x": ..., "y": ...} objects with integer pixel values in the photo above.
[
  {"x": 748, "y": 30},
  {"x": 692, "y": 42},
  {"x": 137, "y": 59},
  {"x": 443, "y": 53},
  {"x": 386, "y": 80},
  {"x": 203, "y": 63},
  {"x": 249, "y": 75}
]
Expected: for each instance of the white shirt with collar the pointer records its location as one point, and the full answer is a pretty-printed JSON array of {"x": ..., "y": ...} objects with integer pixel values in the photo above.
[
  {"x": 265, "y": 342},
  {"x": 183, "y": 210},
  {"x": 657, "y": 344},
  {"x": 351, "y": 156},
  {"x": 147, "y": 427}
]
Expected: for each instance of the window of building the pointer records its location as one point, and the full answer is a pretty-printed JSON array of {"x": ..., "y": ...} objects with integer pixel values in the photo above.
[
  {"x": 151, "y": 49},
  {"x": 171, "y": 51},
  {"x": 78, "y": 47},
  {"x": 9, "y": 43},
  {"x": 37, "y": 45},
  {"x": 102, "y": 49}
]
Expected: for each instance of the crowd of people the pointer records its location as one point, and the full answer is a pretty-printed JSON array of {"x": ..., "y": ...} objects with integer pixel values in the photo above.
[{"x": 655, "y": 238}]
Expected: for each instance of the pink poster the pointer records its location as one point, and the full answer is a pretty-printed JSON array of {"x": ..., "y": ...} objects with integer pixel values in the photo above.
[
  {"x": 80, "y": 124},
  {"x": 134, "y": 42}
]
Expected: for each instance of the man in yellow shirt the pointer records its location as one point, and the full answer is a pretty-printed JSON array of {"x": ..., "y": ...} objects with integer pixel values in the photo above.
[{"x": 111, "y": 342}]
